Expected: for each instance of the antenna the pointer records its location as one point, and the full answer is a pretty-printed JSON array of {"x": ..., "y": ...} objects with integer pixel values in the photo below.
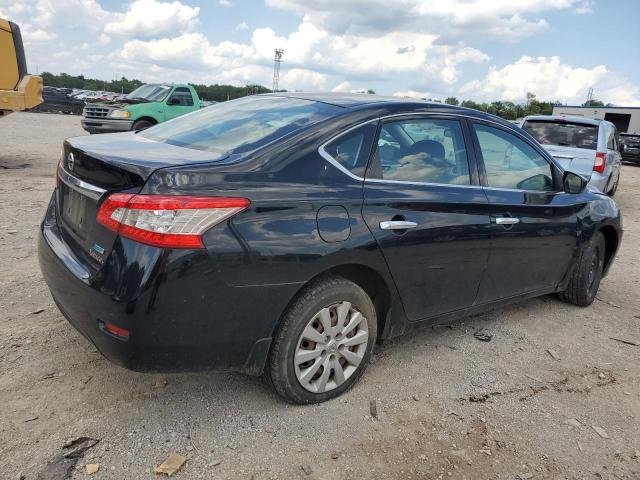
[{"x": 277, "y": 60}]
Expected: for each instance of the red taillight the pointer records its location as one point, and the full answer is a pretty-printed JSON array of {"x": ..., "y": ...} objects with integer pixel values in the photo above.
[
  {"x": 600, "y": 163},
  {"x": 116, "y": 330},
  {"x": 172, "y": 221}
]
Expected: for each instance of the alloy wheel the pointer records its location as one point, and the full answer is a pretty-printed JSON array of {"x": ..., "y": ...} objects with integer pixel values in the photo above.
[{"x": 331, "y": 347}]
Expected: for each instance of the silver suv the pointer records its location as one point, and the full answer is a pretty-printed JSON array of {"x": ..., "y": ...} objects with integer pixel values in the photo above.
[{"x": 581, "y": 145}]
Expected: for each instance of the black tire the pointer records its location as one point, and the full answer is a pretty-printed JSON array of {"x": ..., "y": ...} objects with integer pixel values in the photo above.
[
  {"x": 613, "y": 190},
  {"x": 142, "y": 125},
  {"x": 586, "y": 276},
  {"x": 315, "y": 297}
]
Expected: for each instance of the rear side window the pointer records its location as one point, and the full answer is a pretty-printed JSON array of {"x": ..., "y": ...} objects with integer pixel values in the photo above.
[
  {"x": 511, "y": 163},
  {"x": 241, "y": 125},
  {"x": 352, "y": 149},
  {"x": 421, "y": 150},
  {"x": 563, "y": 134}
]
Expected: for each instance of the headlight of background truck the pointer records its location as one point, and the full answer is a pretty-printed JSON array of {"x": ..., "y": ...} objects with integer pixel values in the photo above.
[{"x": 120, "y": 114}]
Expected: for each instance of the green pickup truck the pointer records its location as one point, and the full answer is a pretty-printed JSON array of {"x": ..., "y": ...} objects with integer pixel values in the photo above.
[{"x": 142, "y": 108}]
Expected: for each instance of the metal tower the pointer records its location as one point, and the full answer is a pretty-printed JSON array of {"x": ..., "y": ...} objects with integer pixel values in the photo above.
[{"x": 277, "y": 60}]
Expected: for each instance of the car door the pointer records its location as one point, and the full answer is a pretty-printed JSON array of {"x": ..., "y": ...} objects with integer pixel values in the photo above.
[
  {"x": 534, "y": 224},
  {"x": 428, "y": 213},
  {"x": 179, "y": 102}
]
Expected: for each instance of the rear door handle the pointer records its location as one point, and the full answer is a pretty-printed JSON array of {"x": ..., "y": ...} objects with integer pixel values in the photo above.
[
  {"x": 507, "y": 221},
  {"x": 397, "y": 225}
]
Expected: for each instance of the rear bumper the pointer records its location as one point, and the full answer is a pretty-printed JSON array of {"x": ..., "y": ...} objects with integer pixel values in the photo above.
[
  {"x": 180, "y": 314},
  {"x": 630, "y": 157},
  {"x": 105, "y": 125}
]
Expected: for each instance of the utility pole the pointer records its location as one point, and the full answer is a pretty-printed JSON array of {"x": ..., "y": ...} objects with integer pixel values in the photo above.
[{"x": 277, "y": 60}]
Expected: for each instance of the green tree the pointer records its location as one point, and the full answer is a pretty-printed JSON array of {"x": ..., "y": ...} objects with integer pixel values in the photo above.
[
  {"x": 451, "y": 101},
  {"x": 593, "y": 103},
  {"x": 218, "y": 93}
]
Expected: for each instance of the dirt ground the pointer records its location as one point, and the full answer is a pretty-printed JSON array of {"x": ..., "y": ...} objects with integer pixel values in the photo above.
[{"x": 550, "y": 396}]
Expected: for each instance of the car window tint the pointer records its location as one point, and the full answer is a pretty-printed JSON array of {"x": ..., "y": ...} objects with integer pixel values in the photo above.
[
  {"x": 352, "y": 149},
  {"x": 241, "y": 125},
  {"x": 512, "y": 163},
  {"x": 421, "y": 150},
  {"x": 183, "y": 94}
]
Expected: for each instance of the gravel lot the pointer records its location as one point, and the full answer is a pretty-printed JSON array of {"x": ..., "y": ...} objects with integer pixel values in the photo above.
[{"x": 449, "y": 406}]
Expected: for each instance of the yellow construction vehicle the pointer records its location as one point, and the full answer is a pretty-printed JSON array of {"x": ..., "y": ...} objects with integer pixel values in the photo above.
[{"x": 18, "y": 91}]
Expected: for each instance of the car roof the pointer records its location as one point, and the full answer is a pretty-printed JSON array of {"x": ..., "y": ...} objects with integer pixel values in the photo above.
[
  {"x": 351, "y": 99},
  {"x": 387, "y": 105},
  {"x": 564, "y": 118}
]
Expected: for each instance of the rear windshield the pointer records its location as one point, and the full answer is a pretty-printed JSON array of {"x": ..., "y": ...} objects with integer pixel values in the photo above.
[
  {"x": 241, "y": 125},
  {"x": 564, "y": 134}
]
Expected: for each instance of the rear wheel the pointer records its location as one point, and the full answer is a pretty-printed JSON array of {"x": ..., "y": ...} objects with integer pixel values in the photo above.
[
  {"x": 585, "y": 279},
  {"x": 324, "y": 342},
  {"x": 142, "y": 125}
]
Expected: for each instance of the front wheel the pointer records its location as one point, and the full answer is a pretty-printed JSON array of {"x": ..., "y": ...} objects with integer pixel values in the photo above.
[
  {"x": 324, "y": 342},
  {"x": 585, "y": 279},
  {"x": 141, "y": 125}
]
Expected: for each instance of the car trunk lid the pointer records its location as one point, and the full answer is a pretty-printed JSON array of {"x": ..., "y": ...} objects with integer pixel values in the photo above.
[{"x": 96, "y": 166}]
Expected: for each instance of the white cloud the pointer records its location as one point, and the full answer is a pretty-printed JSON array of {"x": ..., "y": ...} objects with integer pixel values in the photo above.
[
  {"x": 413, "y": 94},
  {"x": 30, "y": 34},
  {"x": 312, "y": 50},
  {"x": 152, "y": 18},
  {"x": 301, "y": 79},
  {"x": 342, "y": 87},
  {"x": 585, "y": 7},
  {"x": 450, "y": 19},
  {"x": 225, "y": 3},
  {"x": 550, "y": 79},
  {"x": 241, "y": 26}
]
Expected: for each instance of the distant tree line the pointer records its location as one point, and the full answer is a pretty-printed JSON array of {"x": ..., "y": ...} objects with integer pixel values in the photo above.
[
  {"x": 513, "y": 111},
  {"x": 218, "y": 93}
]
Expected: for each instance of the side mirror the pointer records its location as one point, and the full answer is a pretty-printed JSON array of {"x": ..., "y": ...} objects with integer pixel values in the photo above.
[{"x": 573, "y": 183}]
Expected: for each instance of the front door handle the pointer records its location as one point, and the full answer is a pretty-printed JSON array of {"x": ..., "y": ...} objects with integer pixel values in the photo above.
[
  {"x": 507, "y": 221},
  {"x": 397, "y": 225}
]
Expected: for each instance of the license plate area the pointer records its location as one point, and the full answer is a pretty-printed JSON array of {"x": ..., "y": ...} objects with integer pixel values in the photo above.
[{"x": 78, "y": 211}]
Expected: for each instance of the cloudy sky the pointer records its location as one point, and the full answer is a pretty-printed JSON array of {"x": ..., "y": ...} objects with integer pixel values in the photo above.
[{"x": 473, "y": 49}]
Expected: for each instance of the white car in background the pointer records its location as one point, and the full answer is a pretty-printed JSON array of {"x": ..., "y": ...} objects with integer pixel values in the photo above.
[{"x": 581, "y": 145}]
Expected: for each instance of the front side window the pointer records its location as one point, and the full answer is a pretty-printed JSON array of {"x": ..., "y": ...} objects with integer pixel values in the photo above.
[
  {"x": 421, "y": 150},
  {"x": 512, "y": 163},
  {"x": 241, "y": 125}
]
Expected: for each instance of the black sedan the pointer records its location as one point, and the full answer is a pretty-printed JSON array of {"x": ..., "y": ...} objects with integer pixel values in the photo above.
[{"x": 284, "y": 234}]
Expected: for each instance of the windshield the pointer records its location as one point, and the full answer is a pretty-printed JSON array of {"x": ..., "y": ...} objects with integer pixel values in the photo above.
[
  {"x": 564, "y": 134},
  {"x": 153, "y": 93},
  {"x": 627, "y": 139},
  {"x": 241, "y": 125}
]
